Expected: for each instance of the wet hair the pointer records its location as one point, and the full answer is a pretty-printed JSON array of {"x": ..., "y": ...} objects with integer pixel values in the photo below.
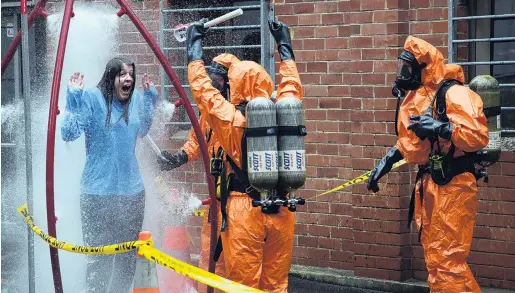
[{"x": 106, "y": 85}]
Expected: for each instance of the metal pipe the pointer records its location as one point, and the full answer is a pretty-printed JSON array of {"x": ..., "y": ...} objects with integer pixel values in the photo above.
[
  {"x": 177, "y": 123},
  {"x": 17, "y": 73},
  {"x": 506, "y": 39},
  {"x": 450, "y": 33},
  {"x": 14, "y": 4},
  {"x": 495, "y": 16},
  {"x": 191, "y": 114},
  {"x": 186, "y": 67},
  {"x": 38, "y": 11},
  {"x": 211, "y": 8},
  {"x": 52, "y": 117},
  {"x": 234, "y": 27},
  {"x": 8, "y": 144},
  {"x": 215, "y": 47},
  {"x": 271, "y": 43},
  {"x": 170, "y": 85},
  {"x": 487, "y": 62},
  {"x": 263, "y": 24},
  {"x": 507, "y": 108},
  {"x": 268, "y": 44},
  {"x": 500, "y": 85},
  {"x": 164, "y": 91},
  {"x": 25, "y": 59},
  {"x": 508, "y": 133}
]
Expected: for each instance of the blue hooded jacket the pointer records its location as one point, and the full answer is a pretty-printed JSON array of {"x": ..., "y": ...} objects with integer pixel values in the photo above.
[{"x": 111, "y": 165}]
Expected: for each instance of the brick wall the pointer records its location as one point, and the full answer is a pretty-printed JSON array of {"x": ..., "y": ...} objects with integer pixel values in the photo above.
[{"x": 345, "y": 52}]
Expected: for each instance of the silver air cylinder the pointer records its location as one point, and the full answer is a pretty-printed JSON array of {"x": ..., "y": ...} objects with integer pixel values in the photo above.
[
  {"x": 487, "y": 87},
  {"x": 290, "y": 146},
  {"x": 261, "y": 148}
]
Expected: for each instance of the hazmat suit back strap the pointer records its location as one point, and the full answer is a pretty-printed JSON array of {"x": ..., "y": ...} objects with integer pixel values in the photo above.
[
  {"x": 443, "y": 168},
  {"x": 441, "y": 109}
]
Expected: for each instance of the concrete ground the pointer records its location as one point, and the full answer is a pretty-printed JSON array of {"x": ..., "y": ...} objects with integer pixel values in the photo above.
[
  {"x": 298, "y": 285},
  {"x": 305, "y": 279}
]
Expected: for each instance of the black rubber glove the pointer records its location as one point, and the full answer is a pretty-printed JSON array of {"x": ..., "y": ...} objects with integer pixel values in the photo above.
[
  {"x": 282, "y": 37},
  {"x": 194, "y": 35},
  {"x": 172, "y": 161},
  {"x": 426, "y": 126},
  {"x": 384, "y": 166}
]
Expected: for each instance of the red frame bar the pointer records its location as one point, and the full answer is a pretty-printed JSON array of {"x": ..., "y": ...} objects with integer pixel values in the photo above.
[
  {"x": 38, "y": 11},
  {"x": 125, "y": 9},
  {"x": 213, "y": 213},
  {"x": 52, "y": 116},
  {"x": 23, "y": 6},
  {"x": 51, "y": 218}
]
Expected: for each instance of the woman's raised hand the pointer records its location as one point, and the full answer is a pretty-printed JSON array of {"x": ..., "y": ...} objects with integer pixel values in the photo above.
[{"x": 76, "y": 80}]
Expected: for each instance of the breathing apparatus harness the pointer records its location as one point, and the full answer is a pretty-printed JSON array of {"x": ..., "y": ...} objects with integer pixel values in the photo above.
[
  {"x": 444, "y": 167},
  {"x": 238, "y": 180}
]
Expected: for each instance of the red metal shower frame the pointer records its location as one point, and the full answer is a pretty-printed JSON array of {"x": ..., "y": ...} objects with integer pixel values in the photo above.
[{"x": 54, "y": 111}]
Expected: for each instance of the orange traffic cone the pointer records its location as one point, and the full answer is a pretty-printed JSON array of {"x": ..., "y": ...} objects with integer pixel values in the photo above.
[
  {"x": 145, "y": 279},
  {"x": 176, "y": 245}
]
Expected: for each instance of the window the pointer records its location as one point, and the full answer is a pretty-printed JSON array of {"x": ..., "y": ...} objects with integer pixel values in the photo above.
[
  {"x": 16, "y": 3},
  {"x": 483, "y": 42},
  {"x": 246, "y": 37}
]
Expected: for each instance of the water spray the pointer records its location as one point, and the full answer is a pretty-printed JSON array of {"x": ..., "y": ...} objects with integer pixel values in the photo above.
[
  {"x": 179, "y": 32},
  {"x": 28, "y": 136}
]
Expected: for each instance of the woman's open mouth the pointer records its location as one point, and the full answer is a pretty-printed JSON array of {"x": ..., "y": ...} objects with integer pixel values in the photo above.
[{"x": 126, "y": 89}]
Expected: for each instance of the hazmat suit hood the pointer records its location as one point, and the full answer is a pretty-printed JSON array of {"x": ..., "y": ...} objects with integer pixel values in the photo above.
[
  {"x": 454, "y": 71},
  {"x": 218, "y": 72},
  {"x": 427, "y": 54},
  {"x": 226, "y": 60},
  {"x": 249, "y": 80}
]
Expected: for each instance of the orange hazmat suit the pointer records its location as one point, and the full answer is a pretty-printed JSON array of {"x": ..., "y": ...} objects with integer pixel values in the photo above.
[{"x": 444, "y": 214}]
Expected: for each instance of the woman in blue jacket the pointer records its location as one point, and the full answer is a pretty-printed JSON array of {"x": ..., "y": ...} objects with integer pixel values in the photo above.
[{"x": 111, "y": 116}]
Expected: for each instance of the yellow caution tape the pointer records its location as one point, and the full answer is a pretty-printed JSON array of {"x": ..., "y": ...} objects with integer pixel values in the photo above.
[
  {"x": 200, "y": 212},
  {"x": 145, "y": 248},
  {"x": 109, "y": 249},
  {"x": 362, "y": 178},
  {"x": 193, "y": 272}
]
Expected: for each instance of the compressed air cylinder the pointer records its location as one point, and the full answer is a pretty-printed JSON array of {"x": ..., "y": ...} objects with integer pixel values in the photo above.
[
  {"x": 261, "y": 135},
  {"x": 487, "y": 87},
  {"x": 290, "y": 143}
]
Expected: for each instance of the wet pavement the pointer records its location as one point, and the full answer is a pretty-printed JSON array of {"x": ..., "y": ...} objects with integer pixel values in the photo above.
[{"x": 297, "y": 285}]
